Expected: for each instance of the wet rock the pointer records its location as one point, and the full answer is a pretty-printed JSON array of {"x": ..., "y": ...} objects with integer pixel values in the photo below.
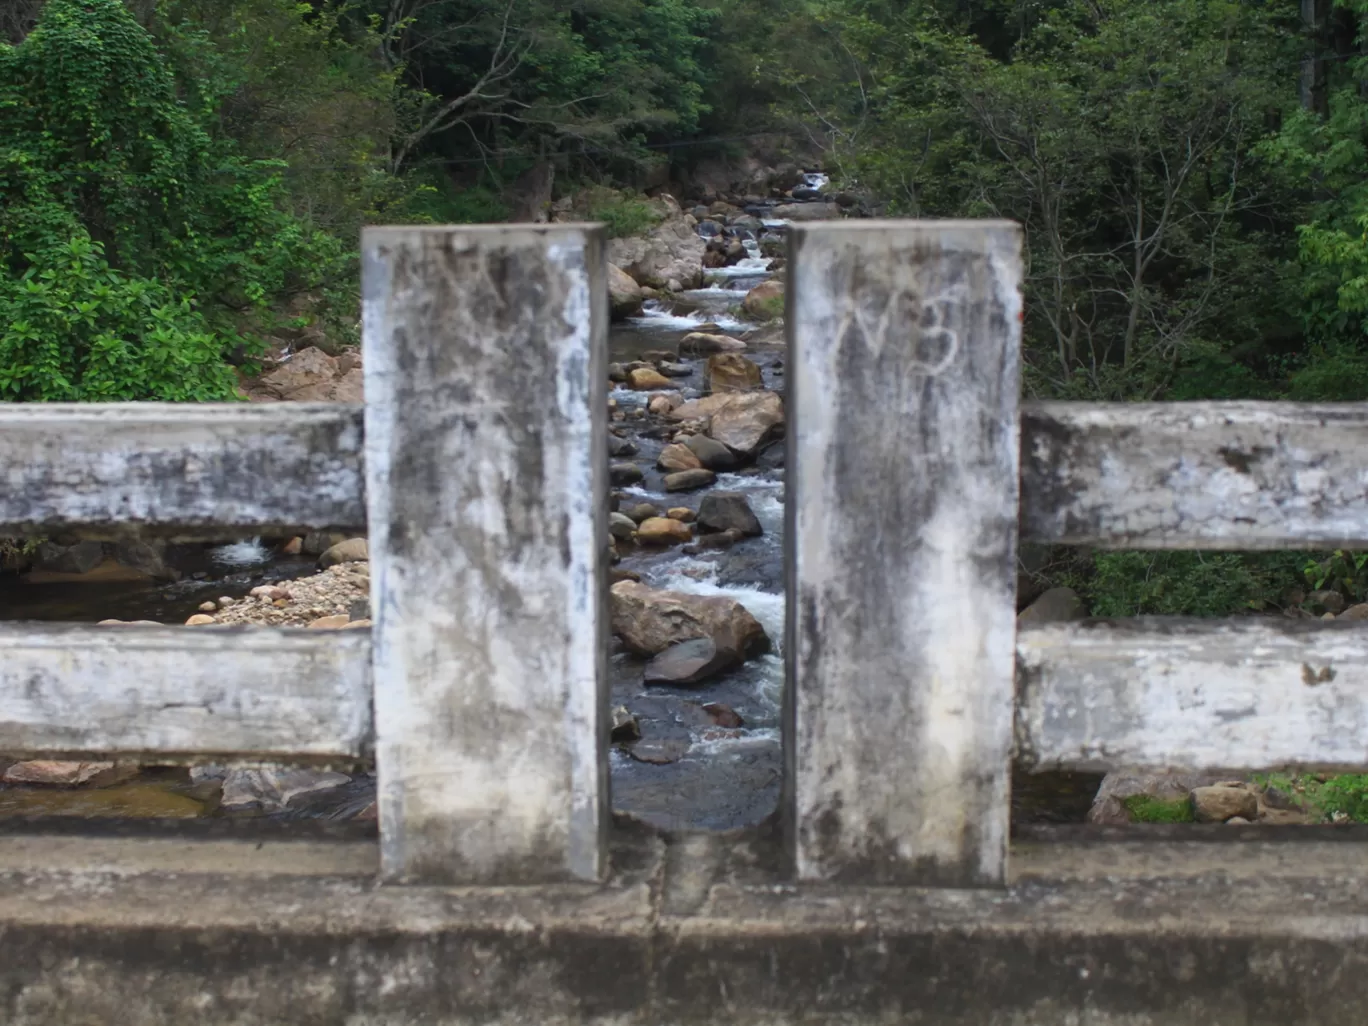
[
  {"x": 624, "y": 294},
  {"x": 271, "y": 788},
  {"x": 80, "y": 558},
  {"x": 731, "y": 372},
  {"x": 765, "y": 301},
  {"x": 742, "y": 421},
  {"x": 623, "y": 474},
  {"x": 721, "y": 540},
  {"x": 721, "y": 511},
  {"x": 690, "y": 662},
  {"x": 702, "y": 343},
  {"x": 663, "y": 531},
  {"x": 148, "y": 557},
  {"x": 674, "y": 370},
  {"x": 1057, "y": 605},
  {"x": 619, "y": 447},
  {"x": 772, "y": 456},
  {"x": 62, "y": 773},
  {"x": 723, "y": 715},
  {"x": 712, "y": 454},
  {"x": 616, "y": 575},
  {"x": 646, "y": 379},
  {"x": 353, "y": 550},
  {"x": 689, "y": 480},
  {"x": 658, "y": 753},
  {"x": 681, "y": 513},
  {"x": 650, "y": 620},
  {"x": 1218, "y": 803},
  {"x": 208, "y": 607},
  {"x": 318, "y": 542},
  {"x": 359, "y": 609},
  {"x": 663, "y": 404},
  {"x": 621, "y": 526},
  {"x": 200, "y": 620},
  {"x": 293, "y": 547},
  {"x": 1356, "y": 612},
  {"x": 674, "y": 458},
  {"x": 625, "y": 726},
  {"x": 1326, "y": 601},
  {"x": 617, "y": 373},
  {"x": 642, "y": 511}
]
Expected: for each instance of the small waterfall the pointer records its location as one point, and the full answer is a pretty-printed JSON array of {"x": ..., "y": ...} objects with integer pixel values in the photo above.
[{"x": 249, "y": 552}]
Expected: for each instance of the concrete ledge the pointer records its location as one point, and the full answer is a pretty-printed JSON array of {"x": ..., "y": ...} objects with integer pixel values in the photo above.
[{"x": 688, "y": 931}]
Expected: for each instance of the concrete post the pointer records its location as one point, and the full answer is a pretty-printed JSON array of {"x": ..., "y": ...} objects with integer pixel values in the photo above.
[
  {"x": 485, "y": 364},
  {"x": 902, "y": 515}
]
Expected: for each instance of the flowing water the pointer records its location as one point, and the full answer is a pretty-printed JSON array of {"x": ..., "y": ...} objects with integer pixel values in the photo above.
[{"x": 728, "y": 777}]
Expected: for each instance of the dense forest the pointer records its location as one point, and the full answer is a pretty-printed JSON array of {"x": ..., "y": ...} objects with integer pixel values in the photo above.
[{"x": 180, "y": 178}]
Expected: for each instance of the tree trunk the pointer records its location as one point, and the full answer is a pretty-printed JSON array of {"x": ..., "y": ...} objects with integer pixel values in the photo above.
[{"x": 1315, "y": 19}]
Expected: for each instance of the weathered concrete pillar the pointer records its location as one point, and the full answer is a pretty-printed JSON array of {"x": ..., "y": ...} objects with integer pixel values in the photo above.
[
  {"x": 903, "y": 396},
  {"x": 485, "y": 363}
]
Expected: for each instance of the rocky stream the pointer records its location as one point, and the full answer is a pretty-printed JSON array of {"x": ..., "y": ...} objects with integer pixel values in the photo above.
[{"x": 697, "y": 522}]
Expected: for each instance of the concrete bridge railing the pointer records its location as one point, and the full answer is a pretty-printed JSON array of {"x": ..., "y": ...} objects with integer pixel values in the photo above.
[{"x": 506, "y": 893}]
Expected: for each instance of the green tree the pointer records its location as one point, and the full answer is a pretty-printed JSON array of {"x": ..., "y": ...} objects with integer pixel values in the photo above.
[
  {"x": 132, "y": 241},
  {"x": 591, "y": 81},
  {"x": 1121, "y": 135},
  {"x": 1326, "y": 146}
]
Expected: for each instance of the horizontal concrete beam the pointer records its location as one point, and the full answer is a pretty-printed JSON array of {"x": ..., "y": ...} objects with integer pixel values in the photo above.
[
  {"x": 1138, "y": 475},
  {"x": 184, "y": 692},
  {"x": 1245, "y": 693},
  {"x": 1209, "y": 475},
  {"x": 193, "y": 470},
  {"x": 1102, "y": 934}
]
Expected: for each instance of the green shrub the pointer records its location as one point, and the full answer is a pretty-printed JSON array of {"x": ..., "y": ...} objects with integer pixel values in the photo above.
[
  {"x": 624, "y": 215},
  {"x": 1345, "y": 795},
  {"x": 78, "y": 329},
  {"x": 133, "y": 244},
  {"x": 1188, "y": 583}
]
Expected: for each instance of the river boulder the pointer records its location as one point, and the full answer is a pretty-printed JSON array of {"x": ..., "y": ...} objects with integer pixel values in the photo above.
[
  {"x": 690, "y": 662},
  {"x": 731, "y": 372},
  {"x": 353, "y": 550},
  {"x": 722, "y": 511},
  {"x": 704, "y": 343},
  {"x": 712, "y": 453},
  {"x": 624, "y": 294},
  {"x": 650, "y": 620},
  {"x": 742, "y": 421},
  {"x": 663, "y": 531},
  {"x": 675, "y": 457},
  {"x": 646, "y": 379},
  {"x": 765, "y": 302},
  {"x": 669, "y": 255}
]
